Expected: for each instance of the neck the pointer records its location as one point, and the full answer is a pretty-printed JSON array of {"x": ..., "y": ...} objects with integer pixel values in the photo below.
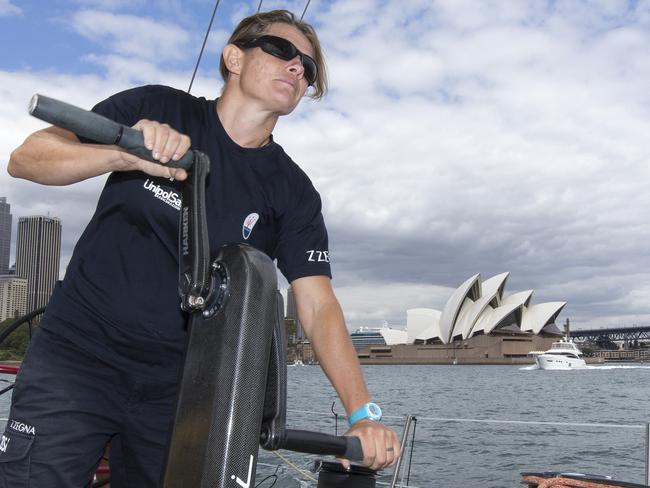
[{"x": 244, "y": 121}]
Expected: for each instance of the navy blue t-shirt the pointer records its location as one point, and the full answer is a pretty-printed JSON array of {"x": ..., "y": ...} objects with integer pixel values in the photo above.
[{"x": 119, "y": 298}]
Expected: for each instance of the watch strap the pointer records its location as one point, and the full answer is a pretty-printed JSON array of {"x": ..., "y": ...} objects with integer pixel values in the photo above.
[{"x": 368, "y": 411}]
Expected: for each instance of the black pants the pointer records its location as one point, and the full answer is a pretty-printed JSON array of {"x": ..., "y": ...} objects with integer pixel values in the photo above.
[{"x": 67, "y": 405}]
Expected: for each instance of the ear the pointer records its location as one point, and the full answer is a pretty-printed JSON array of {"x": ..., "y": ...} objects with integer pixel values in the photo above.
[{"x": 232, "y": 58}]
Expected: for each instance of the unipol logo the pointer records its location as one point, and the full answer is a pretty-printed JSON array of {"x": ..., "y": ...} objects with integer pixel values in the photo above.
[
  {"x": 4, "y": 443},
  {"x": 170, "y": 197},
  {"x": 247, "y": 483}
]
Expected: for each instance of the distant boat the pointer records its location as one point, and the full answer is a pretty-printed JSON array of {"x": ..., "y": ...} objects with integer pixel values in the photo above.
[{"x": 563, "y": 354}]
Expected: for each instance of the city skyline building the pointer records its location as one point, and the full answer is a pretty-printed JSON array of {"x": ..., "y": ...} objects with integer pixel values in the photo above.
[
  {"x": 292, "y": 314},
  {"x": 13, "y": 297},
  {"x": 5, "y": 235},
  {"x": 38, "y": 252}
]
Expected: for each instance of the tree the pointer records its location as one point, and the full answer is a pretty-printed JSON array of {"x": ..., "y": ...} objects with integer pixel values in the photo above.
[{"x": 14, "y": 346}]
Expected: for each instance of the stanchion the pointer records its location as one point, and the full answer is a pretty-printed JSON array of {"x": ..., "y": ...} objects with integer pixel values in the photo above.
[
  {"x": 647, "y": 453},
  {"x": 398, "y": 465}
]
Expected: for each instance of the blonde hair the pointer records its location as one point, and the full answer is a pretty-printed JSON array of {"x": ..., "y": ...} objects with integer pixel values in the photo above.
[{"x": 258, "y": 24}]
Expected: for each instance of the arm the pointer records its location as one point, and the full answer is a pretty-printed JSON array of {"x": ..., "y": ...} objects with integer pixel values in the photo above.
[
  {"x": 55, "y": 156},
  {"x": 323, "y": 322}
]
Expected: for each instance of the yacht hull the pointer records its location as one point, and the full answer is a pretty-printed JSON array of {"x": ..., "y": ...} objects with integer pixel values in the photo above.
[{"x": 553, "y": 361}]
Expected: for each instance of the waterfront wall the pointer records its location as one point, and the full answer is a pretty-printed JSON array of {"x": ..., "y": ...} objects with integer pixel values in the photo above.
[
  {"x": 635, "y": 355},
  {"x": 482, "y": 349}
]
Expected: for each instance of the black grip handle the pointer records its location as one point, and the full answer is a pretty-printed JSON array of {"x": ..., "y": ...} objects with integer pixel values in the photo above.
[
  {"x": 353, "y": 449},
  {"x": 97, "y": 128},
  {"x": 324, "y": 444}
]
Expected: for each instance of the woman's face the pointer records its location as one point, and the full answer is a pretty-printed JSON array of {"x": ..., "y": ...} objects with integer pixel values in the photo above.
[{"x": 277, "y": 83}]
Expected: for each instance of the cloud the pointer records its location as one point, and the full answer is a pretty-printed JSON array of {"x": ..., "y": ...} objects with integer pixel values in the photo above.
[
  {"x": 7, "y": 8},
  {"x": 458, "y": 137},
  {"x": 73, "y": 204},
  {"x": 110, "y": 4},
  {"x": 515, "y": 146},
  {"x": 132, "y": 71},
  {"x": 130, "y": 35},
  {"x": 388, "y": 301}
]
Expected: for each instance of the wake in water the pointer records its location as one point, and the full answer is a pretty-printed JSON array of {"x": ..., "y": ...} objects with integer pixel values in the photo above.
[
  {"x": 590, "y": 367},
  {"x": 618, "y": 366}
]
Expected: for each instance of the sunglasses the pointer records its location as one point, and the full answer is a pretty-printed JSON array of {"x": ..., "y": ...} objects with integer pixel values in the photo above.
[{"x": 283, "y": 49}]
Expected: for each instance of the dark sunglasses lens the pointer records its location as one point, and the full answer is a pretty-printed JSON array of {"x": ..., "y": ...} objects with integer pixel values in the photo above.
[
  {"x": 279, "y": 47},
  {"x": 310, "y": 69},
  {"x": 283, "y": 49}
]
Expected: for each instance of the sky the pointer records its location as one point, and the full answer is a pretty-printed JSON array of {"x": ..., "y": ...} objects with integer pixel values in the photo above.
[{"x": 458, "y": 136}]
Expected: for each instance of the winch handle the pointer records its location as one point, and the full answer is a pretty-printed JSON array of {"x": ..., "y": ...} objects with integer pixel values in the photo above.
[
  {"x": 194, "y": 260},
  {"x": 97, "y": 128},
  {"x": 348, "y": 447}
]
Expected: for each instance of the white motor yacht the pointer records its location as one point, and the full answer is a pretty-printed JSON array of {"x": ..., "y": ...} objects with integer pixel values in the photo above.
[{"x": 562, "y": 355}]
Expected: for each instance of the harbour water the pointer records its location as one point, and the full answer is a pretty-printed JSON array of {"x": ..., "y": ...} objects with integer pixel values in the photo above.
[{"x": 452, "y": 453}]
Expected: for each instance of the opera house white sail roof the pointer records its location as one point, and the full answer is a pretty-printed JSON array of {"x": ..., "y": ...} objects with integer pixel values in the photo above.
[
  {"x": 477, "y": 307},
  {"x": 423, "y": 324}
]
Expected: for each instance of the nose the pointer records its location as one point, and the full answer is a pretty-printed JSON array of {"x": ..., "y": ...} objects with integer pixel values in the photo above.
[{"x": 295, "y": 66}]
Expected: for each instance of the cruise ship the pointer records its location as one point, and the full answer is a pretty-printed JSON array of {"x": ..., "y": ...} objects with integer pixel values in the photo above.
[{"x": 365, "y": 337}]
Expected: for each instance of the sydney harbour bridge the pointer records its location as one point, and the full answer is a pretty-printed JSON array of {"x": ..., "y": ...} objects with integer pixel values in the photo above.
[{"x": 628, "y": 335}]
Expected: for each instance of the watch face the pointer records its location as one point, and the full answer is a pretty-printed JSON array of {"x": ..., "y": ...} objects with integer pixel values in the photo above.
[
  {"x": 368, "y": 411},
  {"x": 374, "y": 411}
]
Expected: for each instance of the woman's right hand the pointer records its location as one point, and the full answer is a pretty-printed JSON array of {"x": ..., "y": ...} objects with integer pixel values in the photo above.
[
  {"x": 165, "y": 144},
  {"x": 55, "y": 156}
]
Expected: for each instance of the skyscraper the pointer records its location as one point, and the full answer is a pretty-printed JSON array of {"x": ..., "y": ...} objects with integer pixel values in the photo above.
[
  {"x": 38, "y": 251},
  {"x": 5, "y": 235},
  {"x": 292, "y": 314},
  {"x": 13, "y": 297}
]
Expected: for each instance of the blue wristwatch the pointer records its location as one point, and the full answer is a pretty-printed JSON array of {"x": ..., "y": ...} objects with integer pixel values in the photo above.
[{"x": 368, "y": 411}]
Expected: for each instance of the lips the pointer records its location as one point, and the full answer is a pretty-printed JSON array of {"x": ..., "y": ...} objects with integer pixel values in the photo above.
[{"x": 290, "y": 82}]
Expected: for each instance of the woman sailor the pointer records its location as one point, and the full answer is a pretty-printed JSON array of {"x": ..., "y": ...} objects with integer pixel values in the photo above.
[{"x": 103, "y": 365}]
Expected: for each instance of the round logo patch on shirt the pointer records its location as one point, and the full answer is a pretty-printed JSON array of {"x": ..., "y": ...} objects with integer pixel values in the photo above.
[{"x": 249, "y": 223}]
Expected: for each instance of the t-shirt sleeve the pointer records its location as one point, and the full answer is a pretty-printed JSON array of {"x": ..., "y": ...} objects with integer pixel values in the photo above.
[
  {"x": 126, "y": 107},
  {"x": 302, "y": 245}
]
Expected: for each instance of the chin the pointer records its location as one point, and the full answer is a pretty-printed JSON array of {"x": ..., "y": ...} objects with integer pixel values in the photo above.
[
  {"x": 285, "y": 107},
  {"x": 287, "y": 111}
]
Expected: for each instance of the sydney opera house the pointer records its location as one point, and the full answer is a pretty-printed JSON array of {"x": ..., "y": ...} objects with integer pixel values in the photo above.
[{"x": 480, "y": 323}]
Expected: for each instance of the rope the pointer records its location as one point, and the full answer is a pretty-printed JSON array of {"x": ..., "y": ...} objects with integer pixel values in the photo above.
[
  {"x": 292, "y": 465},
  {"x": 532, "y": 422},
  {"x": 494, "y": 421},
  {"x": 273, "y": 476},
  {"x": 305, "y": 11},
  {"x": 401, "y": 485},
  {"x": 310, "y": 411},
  {"x": 561, "y": 482},
  {"x": 395, "y": 417},
  {"x": 336, "y": 419},
  {"x": 205, "y": 39}
]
